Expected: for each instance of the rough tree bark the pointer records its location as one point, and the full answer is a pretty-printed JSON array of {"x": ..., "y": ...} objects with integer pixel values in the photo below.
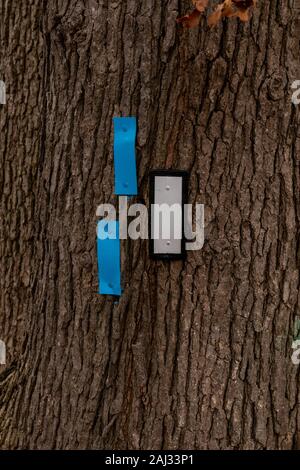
[{"x": 196, "y": 355}]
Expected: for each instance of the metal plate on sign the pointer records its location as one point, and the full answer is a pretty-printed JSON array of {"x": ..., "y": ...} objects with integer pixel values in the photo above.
[{"x": 168, "y": 195}]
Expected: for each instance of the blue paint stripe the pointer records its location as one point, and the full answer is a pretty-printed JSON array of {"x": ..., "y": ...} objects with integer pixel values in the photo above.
[
  {"x": 124, "y": 156},
  {"x": 109, "y": 257}
]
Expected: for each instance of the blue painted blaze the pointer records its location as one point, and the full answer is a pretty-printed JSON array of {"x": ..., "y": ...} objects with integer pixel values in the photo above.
[
  {"x": 109, "y": 257},
  {"x": 124, "y": 156}
]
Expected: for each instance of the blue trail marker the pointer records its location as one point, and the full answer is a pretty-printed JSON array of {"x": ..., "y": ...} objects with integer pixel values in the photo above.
[
  {"x": 124, "y": 156},
  {"x": 109, "y": 257}
]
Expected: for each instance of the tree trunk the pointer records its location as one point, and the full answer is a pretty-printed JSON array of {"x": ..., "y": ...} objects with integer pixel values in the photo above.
[{"x": 196, "y": 354}]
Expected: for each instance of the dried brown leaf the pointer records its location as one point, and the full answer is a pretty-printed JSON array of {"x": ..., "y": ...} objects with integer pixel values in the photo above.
[
  {"x": 215, "y": 17},
  {"x": 232, "y": 8},
  {"x": 227, "y": 9},
  {"x": 193, "y": 19},
  {"x": 200, "y": 5},
  {"x": 190, "y": 21},
  {"x": 243, "y": 15}
]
